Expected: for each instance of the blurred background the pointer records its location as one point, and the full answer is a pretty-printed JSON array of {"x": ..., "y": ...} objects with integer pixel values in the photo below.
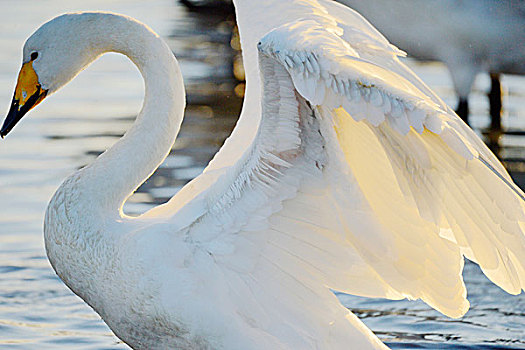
[{"x": 71, "y": 128}]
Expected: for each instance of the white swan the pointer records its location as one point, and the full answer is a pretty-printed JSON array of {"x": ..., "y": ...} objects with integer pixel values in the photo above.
[
  {"x": 345, "y": 172},
  {"x": 469, "y": 36}
]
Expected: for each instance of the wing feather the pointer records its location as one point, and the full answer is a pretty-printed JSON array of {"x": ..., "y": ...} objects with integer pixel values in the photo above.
[
  {"x": 433, "y": 189},
  {"x": 359, "y": 179}
]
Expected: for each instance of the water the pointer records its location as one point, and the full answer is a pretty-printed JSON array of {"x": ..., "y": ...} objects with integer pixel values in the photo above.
[{"x": 71, "y": 128}]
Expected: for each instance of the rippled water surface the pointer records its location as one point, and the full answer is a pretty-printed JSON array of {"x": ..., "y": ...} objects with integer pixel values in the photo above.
[{"x": 71, "y": 128}]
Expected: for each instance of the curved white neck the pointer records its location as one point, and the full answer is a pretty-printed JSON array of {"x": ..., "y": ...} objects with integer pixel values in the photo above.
[{"x": 117, "y": 173}]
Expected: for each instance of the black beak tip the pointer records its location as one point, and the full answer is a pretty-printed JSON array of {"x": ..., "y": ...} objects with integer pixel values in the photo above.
[
  {"x": 16, "y": 112},
  {"x": 6, "y": 128},
  {"x": 4, "y": 131}
]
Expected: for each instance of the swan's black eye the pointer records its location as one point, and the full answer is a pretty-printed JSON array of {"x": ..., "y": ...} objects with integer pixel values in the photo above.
[{"x": 34, "y": 55}]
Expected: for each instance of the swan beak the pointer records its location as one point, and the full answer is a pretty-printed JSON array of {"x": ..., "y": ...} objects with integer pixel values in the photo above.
[{"x": 28, "y": 93}]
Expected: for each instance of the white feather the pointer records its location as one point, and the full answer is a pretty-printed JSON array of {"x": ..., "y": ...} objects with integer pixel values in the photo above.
[{"x": 325, "y": 184}]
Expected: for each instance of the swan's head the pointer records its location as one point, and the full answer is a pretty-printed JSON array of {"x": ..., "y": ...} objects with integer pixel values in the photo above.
[{"x": 52, "y": 56}]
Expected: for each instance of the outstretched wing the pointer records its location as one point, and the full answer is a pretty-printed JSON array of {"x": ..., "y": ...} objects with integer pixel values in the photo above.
[{"x": 360, "y": 178}]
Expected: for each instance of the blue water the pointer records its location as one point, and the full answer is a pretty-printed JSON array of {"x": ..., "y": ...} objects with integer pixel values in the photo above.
[{"x": 72, "y": 127}]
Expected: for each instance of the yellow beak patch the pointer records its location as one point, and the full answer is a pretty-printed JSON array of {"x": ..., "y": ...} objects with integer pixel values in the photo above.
[
  {"x": 28, "y": 93},
  {"x": 28, "y": 85}
]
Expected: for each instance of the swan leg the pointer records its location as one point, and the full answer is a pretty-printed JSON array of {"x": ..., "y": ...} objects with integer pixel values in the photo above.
[
  {"x": 462, "y": 109},
  {"x": 495, "y": 102},
  {"x": 463, "y": 72}
]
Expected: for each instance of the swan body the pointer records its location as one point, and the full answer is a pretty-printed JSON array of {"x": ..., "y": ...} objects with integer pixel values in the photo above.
[
  {"x": 470, "y": 36},
  {"x": 345, "y": 172}
]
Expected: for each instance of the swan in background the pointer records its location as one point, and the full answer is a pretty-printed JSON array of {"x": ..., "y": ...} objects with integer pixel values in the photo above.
[
  {"x": 469, "y": 36},
  {"x": 345, "y": 172}
]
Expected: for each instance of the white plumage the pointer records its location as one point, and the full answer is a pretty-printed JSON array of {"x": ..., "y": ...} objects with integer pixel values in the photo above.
[{"x": 345, "y": 172}]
